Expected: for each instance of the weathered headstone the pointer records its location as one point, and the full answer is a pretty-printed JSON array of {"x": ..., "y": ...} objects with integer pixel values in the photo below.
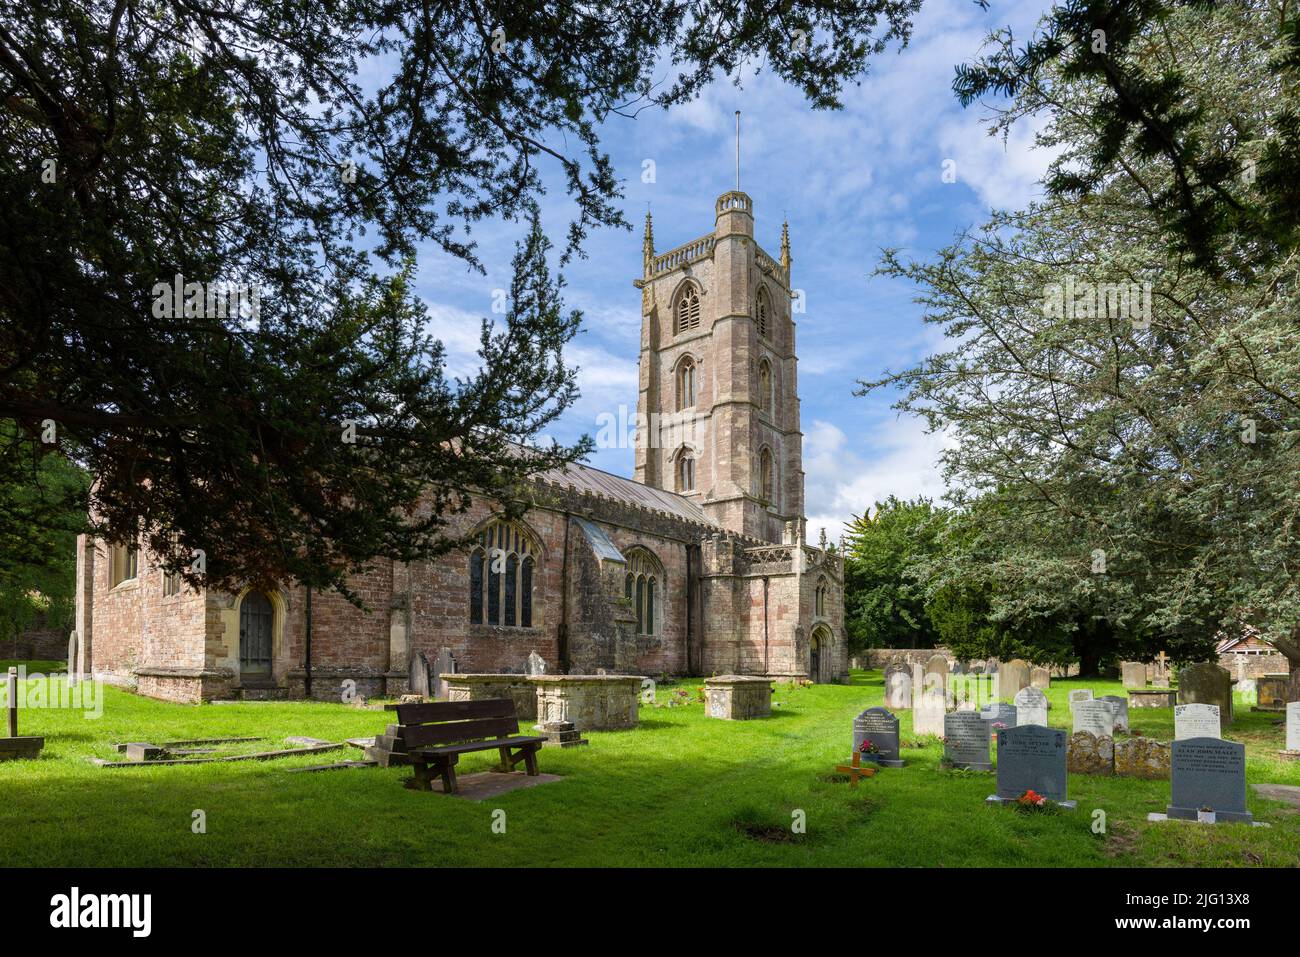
[
  {"x": 443, "y": 665},
  {"x": 536, "y": 664},
  {"x": 1078, "y": 695},
  {"x": 1031, "y": 758},
  {"x": 1119, "y": 705},
  {"x": 880, "y": 727},
  {"x": 1271, "y": 691},
  {"x": 1091, "y": 753},
  {"x": 417, "y": 678},
  {"x": 1040, "y": 677},
  {"x": 1133, "y": 674},
  {"x": 966, "y": 741},
  {"x": 1013, "y": 676},
  {"x": 977, "y": 667},
  {"x": 957, "y": 668},
  {"x": 73, "y": 671},
  {"x": 1095, "y": 717},
  {"x": 1293, "y": 726},
  {"x": 999, "y": 713},
  {"x": 936, "y": 669},
  {"x": 928, "y": 711},
  {"x": 1206, "y": 683},
  {"x": 992, "y": 667},
  {"x": 1031, "y": 707},
  {"x": 1197, "y": 721},
  {"x": 1160, "y": 671},
  {"x": 1209, "y": 773},
  {"x": 898, "y": 688},
  {"x": 1142, "y": 758}
]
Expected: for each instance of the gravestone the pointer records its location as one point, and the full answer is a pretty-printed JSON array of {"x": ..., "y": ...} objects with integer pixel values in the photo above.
[
  {"x": 1013, "y": 676},
  {"x": 1197, "y": 721},
  {"x": 536, "y": 664},
  {"x": 1293, "y": 726},
  {"x": 73, "y": 673},
  {"x": 1208, "y": 772},
  {"x": 1080, "y": 694},
  {"x": 1094, "y": 717},
  {"x": 1031, "y": 707},
  {"x": 1271, "y": 691},
  {"x": 1142, "y": 758},
  {"x": 1040, "y": 677},
  {"x": 966, "y": 741},
  {"x": 992, "y": 667},
  {"x": 444, "y": 665},
  {"x": 898, "y": 688},
  {"x": 958, "y": 668},
  {"x": 1000, "y": 713},
  {"x": 928, "y": 711},
  {"x": 1119, "y": 705},
  {"x": 880, "y": 727},
  {"x": 1133, "y": 674},
  {"x": 936, "y": 670},
  {"x": 417, "y": 676},
  {"x": 1031, "y": 758},
  {"x": 1206, "y": 683}
]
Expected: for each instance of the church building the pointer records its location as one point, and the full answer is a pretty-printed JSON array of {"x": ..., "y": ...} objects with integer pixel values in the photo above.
[{"x": 698, "y": 565}]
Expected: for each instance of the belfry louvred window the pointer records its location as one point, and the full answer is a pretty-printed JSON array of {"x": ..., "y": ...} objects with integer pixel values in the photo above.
[
  {"x": 502, "y": 569},
  {"x": 688, "y": 309}
]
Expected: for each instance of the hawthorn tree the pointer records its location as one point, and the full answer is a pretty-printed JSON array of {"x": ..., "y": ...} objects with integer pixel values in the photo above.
[{"x": 305, "y": 152}]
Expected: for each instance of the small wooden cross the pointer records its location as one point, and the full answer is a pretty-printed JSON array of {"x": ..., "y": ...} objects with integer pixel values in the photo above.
[{"x": 855, "y": 770}]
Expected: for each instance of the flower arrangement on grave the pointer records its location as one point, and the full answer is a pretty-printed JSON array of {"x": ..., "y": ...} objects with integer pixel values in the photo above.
[
  {"x": 868, "y": 747},
  {"x": 699, "y": 694},
  {"x": 999, "y": 726},
  {"x": 1031, "y": 800}
]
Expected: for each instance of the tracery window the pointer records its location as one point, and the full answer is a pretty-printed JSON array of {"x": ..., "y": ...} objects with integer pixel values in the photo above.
[
  {"x": 686, "y": 384},
  {"x": 819, "y": 597},
  {"x": 642, "y": 587},
  {"x": 502, "y": 567},
  {"x": 685, "y": 472}
]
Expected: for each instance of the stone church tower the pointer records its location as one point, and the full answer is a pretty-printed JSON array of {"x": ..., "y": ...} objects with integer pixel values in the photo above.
[{"x": 718, "y": 407}]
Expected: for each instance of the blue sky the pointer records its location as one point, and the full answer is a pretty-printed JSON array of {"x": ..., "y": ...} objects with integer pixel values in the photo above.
[{"x": 850, "y": 182}]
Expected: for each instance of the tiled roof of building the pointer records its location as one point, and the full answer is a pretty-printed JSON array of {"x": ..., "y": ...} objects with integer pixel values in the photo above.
[{"x": 584, "y": 478}]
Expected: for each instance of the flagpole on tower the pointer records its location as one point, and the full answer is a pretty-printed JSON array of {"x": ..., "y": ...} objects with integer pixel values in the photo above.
[{"x": 738, "y": 151}]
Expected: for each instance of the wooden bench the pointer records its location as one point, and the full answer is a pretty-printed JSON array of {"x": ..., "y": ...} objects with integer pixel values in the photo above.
[{"x": 434, "y": 736}]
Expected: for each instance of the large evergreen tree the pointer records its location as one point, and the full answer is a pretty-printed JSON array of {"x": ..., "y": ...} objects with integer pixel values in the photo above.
[{"x": 308, "y": 149}]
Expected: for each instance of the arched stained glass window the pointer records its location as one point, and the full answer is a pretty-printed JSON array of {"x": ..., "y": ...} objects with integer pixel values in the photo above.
[{"x": 502, "y": 592}]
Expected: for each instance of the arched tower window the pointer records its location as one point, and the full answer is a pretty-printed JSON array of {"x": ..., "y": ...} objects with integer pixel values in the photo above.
[
  {"x": 688, "y": 308},
  {"x": 686, "y": 384},
  {"x": 502, "y": 568},
  {"x": 766, "y": 478},
  {"x": 765, "y": 385},
  {"x": 819, "y": 597},
  {"x": 685, "y": 471},
  {"x": 762, "y": 312},
  {"x": 643, "y": 587}
]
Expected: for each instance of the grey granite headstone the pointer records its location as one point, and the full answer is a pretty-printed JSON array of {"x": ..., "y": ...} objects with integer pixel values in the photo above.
[
  {"x": 1119, "y": 705},
  {"x": 1031, "y": 757},
  {"x": 880, "y": 727},
  {"x": 1000, "y": 713},
  {"x": 966, "y": 741},
  {"x": 1031, "y": 707},
  {"x": 417, "y": 678},
  {"x": 1095, "y": 717},
  {"x": 1293, "y": 726},
  {"x": 1197, "y": 721},
  {"x": 1208, "y": 772}
]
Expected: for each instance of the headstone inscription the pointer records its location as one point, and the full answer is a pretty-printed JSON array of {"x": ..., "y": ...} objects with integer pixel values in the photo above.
[
  {"x": 878, "y": 729},
  {"x": 1133, "y": 674},
  {"x": 1095, "y": 717},
  {"x": 966, "y": 741},
  {"x": 1293, "y": 726},
  {"x": 1031, "y": 758},
  {"x": 1031, "y": 707},
  {"x": 1119, "y": 705},
  {"x": 1208, "y": 775},
  {"x": 1080, "y": 694},
  {"x": 1196, "y": 721}
]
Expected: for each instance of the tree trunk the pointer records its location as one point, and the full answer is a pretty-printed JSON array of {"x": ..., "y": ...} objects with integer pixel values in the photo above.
[{"x": 1291, "y": 648}]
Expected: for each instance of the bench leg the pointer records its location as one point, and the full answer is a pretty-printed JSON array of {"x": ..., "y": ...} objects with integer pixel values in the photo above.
[
  {"x": 530, "y": 759},
  {"x": 422, "y": 778},
  {"x": 506, "y": 764},
  {"x": 449, "y": 775}
]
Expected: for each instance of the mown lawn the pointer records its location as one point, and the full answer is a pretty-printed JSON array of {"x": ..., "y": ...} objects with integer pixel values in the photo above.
[{"x": 680, "y": 790}]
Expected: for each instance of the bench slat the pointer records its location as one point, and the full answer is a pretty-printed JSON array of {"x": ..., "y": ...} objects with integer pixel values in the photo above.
[
  {"x": 419, "y": 735},
  {"x": 469, "y": 746},
  {"x": 455, "y": 710}
]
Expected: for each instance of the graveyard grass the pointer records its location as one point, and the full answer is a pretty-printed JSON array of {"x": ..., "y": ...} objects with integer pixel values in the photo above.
[{"x": 680, "y": 790}]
